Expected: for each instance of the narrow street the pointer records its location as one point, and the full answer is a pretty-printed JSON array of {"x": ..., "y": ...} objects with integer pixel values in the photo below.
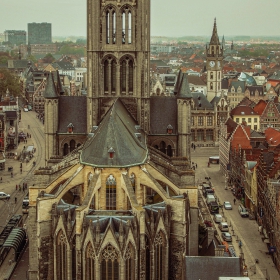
[
  {"x": 242, "y": 229},
  {"x": 31, "y": 125}
]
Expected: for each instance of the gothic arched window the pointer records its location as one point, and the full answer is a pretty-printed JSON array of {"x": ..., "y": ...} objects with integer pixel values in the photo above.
[
  {"x": 72, "y": 145},
  {"x": 110, "y": 70},
  {"x": 159, "y": 256},
  {"x": 65, "y": 149},
  {"x": 162, "y": 147},
  {"x": 126, "y": 26},
  {"x": 211, "y": 85},
  {"x": 90, "y": 263},
  {"x": 110, "y": 26},
  {"x": 111, "y": 193},
  {"x": 169, "y": 151},
  {"x": 129, "y": 262},
  {"x": 126, "y": 76},
  {"x": 109, "y": 263},
  {"x": 211, "y": 75},
  {"x": 61, "y": 256}
]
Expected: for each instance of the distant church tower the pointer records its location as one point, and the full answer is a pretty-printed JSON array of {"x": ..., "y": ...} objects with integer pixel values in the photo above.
[
  {"x": 118, "y": 49},
  {"x": 214, "y": 60}
]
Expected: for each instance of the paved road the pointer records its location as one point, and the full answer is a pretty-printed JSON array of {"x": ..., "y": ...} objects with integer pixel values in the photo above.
[
  {"x": 8, "y": 185},
  {"x": 244, "y": 229}
]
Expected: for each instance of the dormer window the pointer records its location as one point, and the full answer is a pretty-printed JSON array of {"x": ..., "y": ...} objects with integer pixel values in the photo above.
[
  {"x": 70, "y": 127},
  {"x": 111, "y": 153},
  {"x": 169, "y": 129}
]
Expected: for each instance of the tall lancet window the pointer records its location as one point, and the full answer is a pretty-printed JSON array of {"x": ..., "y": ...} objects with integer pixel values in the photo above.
[
  {"x": 126, "y": 26},
  {"x": 110, "y": 26},
  {"x": 61, "y": 256},
  {"x": 126, "y": 76},
  {"x": 111, "y": 193},
  {"x": 160, "y": 248},
  {"x": 90, "y": 268},
  {"x": 129, "y": 262},
  {"x": 109, "y": 263},
  {"x": 110, "y": 69}
]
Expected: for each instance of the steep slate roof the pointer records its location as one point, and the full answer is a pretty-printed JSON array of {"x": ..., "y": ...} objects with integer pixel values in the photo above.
[
  {"x": 160, "y": 121},
  {"x": 236, "y": 85},
  {"x": 72, "y": 110},
  {"x": 243, "y": 110},
  {"x": 117, "y": 131},
  {"x": 223, "y": 266},
  {"x": 253, "y": 89},
  {"x": 50, "y": 91},
  {"x": 200, "y": 101},
  {"x": 182, "y": 88}
]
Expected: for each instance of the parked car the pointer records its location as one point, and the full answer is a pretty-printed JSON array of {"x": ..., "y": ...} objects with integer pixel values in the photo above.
[
  {"x": 210, "y": 198},
  {"x": 223, "y": 226},
  {"x": 25, "y": 109},
  {"x": 243, "y": 211},
  {"x": 218, "y": 218},
  {"x": 4, "y": 195},
  {"x": 226, "y": 236},
  {"x": 227, "y": 205}
]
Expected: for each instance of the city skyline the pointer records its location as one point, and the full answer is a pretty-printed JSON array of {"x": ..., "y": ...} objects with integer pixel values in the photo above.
[{"x": 68, "y": 18}]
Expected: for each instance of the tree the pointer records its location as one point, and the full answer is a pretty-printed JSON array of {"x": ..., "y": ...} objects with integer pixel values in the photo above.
[
  {"x": 48, "y": 58},
  {"x": 9, "y": 81}
]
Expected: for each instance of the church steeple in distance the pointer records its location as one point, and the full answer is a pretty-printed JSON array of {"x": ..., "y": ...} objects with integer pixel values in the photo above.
[{"x": 215, "y": 37}]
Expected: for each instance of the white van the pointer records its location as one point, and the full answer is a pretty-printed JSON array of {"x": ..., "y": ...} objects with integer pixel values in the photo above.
[
  {"x": 209, "y": 198},
  {"x": 243, "y": 211},
  {"x": 223, "y": 226}
]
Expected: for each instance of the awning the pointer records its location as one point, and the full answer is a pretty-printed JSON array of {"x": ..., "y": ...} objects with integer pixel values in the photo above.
[{"x": 15, "y": 238}]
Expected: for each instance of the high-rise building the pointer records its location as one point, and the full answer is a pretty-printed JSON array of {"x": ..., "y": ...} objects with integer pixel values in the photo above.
[
  {"x": 15, "y": 37},
  {"x": 39, "y": 33}
]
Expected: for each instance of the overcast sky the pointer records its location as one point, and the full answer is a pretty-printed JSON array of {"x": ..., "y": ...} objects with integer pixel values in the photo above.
[{"x": 168, "y": 17}]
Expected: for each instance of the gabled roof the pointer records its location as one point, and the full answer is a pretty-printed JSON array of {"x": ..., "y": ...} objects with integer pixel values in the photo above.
[
  {"x": 240, "y": 137},
  {"x": 272, "y": 136},
  {"x": 243, "y": 110},
  {"x": 72, "y": 110},
  {"x": 260, "y": 107},
  {"x": 119, "y": 134},
  {"x": 160, "y": 121},
  {"x": 50, "y": 91},
  {"x": 195, "y": 80},
  {"x": 201, "y": 102},
  {"x": 236, "y": 85}
]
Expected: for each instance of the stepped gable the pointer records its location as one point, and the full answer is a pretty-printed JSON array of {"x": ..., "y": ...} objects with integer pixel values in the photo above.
[
  {"x": 72, "y": 109},
  {"x": 119, "y": 134},
  {"x": 50, "y": 91}
]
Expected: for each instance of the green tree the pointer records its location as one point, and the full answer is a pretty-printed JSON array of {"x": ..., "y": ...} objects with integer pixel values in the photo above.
[
  {"x": 48, "y": 58},
  {"x": 9, "y": 81}
]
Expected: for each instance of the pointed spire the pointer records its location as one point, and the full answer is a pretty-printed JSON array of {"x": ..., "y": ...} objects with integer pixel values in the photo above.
[
  {"x": 223, "y": 43},
  {"x": 60, "y": 89},
  {"x": 184, "y": 88},
  {"x": 50, "y": 91},
  {"x": 215, "y": 37}
]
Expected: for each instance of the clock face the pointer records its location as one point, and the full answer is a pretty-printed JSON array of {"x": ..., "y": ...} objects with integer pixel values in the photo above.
[{"x": 212, "y": 63}]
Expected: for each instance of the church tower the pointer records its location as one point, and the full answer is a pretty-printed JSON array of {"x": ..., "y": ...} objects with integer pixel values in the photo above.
[
  {"x": 214, "y": 60},
  {"x": 51, "y": 116},
  {"x": 118, "y": 53}
]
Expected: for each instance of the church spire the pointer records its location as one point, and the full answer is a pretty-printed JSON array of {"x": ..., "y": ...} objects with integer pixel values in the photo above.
[
  {"x": 215, "y": 37},
  {"x": 223, "y": 43}
]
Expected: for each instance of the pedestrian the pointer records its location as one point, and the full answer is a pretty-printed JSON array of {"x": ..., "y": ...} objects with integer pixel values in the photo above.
[
  {"x": 21, "y": 171},
  {"x": 19, "y": 188},
  {"x": 16, "y": 187},
  {"x": 12, "y": 174},
  {"x": 194, "y": 147},
  {"x": 208, "y": 164},
  {"x": 15, "y": 199},
  {"x": 10, "y": 262},
  {"x": 240, "y": 244},
  {"x": 1, "y": 179},
  {"x": 196, "y": 165},
  {"x": 234, "y": 200}
]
